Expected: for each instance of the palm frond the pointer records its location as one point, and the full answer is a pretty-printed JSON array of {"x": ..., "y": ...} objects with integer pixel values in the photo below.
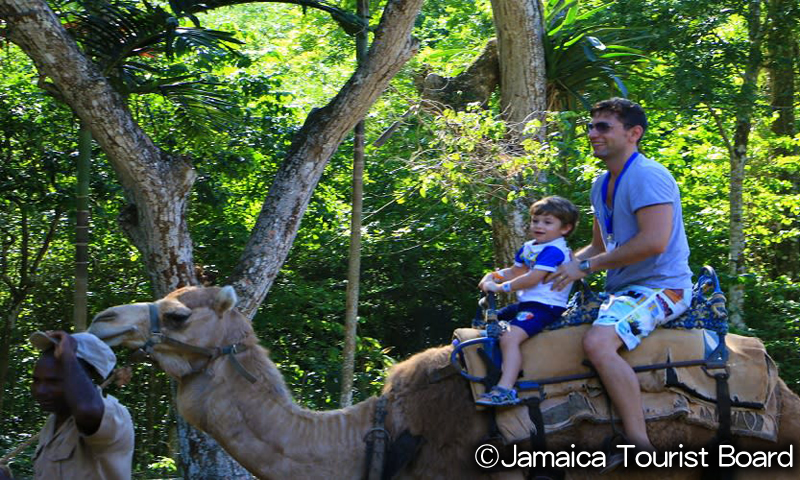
[
  {"x": 199, "y": 103},
  {"x": 582, "y": 55},
  {"x": 350, "y": 23},
  {"x": 132, "y": 42},
  {"x": 113, "y": 33}
]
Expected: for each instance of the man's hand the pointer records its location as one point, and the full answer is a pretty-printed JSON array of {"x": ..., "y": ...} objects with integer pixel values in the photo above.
[
  {"x": 65, "y": 348},
  {"x": 566, "y": 274}
]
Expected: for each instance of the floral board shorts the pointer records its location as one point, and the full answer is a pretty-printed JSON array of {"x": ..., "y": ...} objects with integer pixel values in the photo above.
[{"x": 635, "y": 311}]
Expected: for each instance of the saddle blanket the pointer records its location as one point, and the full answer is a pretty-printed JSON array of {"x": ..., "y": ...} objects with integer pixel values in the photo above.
[{"x": 686, "y": 392}]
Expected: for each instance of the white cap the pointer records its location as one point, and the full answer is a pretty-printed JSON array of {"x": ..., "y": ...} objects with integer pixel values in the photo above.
[{"x": 91, "y": 349}]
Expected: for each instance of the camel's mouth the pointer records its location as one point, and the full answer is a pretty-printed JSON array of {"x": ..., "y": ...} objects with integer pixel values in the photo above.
[{"x": 112, "y": 336}]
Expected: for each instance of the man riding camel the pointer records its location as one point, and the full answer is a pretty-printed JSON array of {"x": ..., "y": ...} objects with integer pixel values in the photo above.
[{"x": 639, "y": 240}]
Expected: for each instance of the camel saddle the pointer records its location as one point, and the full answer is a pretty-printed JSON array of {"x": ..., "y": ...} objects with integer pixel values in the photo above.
[{"x": 555, "y": 372}]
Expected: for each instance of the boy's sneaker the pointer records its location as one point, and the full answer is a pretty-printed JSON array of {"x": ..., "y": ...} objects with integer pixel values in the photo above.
[{"x": 498, "y": 397}]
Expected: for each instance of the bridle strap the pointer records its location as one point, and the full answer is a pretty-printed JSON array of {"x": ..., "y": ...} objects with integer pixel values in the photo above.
[
  {"x": 231, "y": 351},
  {"x": 155, "y": 325},
  {"x": 156, "y": 337},
  {"x": 155, "y": 329}
]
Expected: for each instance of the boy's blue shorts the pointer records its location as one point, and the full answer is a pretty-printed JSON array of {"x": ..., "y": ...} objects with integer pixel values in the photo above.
[{"x": 530, "y": 316}]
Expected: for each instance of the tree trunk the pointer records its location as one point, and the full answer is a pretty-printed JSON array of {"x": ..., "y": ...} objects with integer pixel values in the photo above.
[
  {"x": 152, "y": 400},
  {"x": 736, "y": 264},
  {"x": 9, "y": 319},
  {"x": 738, "y": 161},
  {"x": 516, "y": 61},
  {"x": 523, "y": 98},
  {"x": 509, "y": 227},
  {"x": 156, "y": 185},
  {"x": 354, "y": 257},
  {"x": 781, "y": 43},
  {"x": 82, "y": 228},
  {"x": 782, "y": 54},
  {"x": 523, "y": 80}
]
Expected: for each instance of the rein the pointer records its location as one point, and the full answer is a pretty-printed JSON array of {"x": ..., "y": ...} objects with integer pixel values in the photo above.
[{"x": 157, "y": 336}]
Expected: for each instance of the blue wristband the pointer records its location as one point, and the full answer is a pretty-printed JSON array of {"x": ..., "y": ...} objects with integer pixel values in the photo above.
[{"x": 507, "y": 287}]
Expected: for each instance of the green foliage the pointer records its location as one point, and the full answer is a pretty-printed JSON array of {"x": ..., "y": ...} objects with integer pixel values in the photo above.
[
  {"x": 579, "y": 56},
  {"x": 426, "y": 240},
  {"x": 777, "y": 323},
  {"x": 452, "y": 33},
  {"x": 143, "y": 49},
  {"x": 163, "y": 466}
]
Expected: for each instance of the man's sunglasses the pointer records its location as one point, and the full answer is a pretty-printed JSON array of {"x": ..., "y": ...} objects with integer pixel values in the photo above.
[{"x": 603, "y": 127}]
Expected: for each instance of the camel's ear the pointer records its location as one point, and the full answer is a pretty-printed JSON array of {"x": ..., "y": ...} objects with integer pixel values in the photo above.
[{"x": 226, "y": 299}]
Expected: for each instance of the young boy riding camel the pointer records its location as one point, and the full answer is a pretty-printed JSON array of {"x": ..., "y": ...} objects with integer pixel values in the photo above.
[{"x": 552, "y": 219}]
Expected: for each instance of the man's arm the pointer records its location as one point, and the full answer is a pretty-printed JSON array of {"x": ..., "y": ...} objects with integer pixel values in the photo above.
[
  {"x": 82, "y": 398},
  {"x": 596, "y": 247},
  {"x": 655, "y": 229}
]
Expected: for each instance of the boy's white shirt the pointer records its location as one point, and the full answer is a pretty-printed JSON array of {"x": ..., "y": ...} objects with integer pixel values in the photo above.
[{"x": 542, "y": 292}]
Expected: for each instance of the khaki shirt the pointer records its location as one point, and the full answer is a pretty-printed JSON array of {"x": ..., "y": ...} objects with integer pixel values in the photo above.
[{"x": 68, "y": 454}]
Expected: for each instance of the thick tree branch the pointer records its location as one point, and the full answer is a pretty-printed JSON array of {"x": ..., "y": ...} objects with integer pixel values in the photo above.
[
  {"x": 474, "y": 85},
  {"x": 313, "y": 146},
  {"x": 156, "y": 183}
]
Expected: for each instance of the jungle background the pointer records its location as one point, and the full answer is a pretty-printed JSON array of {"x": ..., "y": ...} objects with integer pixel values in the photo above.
[{"x": 443, "y": 165}]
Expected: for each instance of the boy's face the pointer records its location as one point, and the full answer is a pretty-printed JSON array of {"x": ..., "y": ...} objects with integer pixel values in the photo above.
[{"x": 546, "y": 228}]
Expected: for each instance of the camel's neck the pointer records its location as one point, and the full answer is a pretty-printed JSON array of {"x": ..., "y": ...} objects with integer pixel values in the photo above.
[{"x": 260, "y": 426}]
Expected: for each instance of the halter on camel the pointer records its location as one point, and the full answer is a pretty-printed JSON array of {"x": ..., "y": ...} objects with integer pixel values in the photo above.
[
  {"x": 376, "y": 438},
  {"x": 156, "y": 337}
]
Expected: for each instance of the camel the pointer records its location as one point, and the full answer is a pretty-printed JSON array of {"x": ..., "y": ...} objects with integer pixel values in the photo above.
[{"x": 242, "y": 401}]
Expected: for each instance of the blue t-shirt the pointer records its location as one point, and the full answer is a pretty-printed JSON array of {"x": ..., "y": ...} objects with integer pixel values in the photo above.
[
  {"x": 645, "y": 183},
  {"x": 546, "y": 256}
]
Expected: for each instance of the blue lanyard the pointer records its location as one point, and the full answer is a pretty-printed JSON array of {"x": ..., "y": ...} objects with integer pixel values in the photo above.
[{"x": 609, "y": 214}]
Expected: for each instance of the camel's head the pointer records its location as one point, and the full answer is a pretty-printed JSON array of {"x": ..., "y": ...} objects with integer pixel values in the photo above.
[{"x": 201, "y": 317}]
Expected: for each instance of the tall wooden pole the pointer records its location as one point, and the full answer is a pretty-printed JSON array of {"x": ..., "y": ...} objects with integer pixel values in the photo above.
[
  {"x": 82, "y": 227},
  {"x": 354, "y": 259}
]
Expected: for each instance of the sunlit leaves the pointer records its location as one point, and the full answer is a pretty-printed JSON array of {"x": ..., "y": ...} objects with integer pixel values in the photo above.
[{"x": 135, "y": 46}]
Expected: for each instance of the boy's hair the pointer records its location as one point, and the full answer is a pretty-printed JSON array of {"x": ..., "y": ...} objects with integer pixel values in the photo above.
[
  {"x": 559, "y": 207},
  {"x": 626, "y": 111}
]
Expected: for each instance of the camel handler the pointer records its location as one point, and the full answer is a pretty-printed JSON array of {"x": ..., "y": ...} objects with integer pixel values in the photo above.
[
  {"x": 639, "y": 240},
  {"x": 87, "y": 435}
]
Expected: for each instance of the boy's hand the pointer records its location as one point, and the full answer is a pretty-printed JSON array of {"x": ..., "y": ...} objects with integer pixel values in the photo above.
[
  {"x": 486, "y": 278},
  {"x": 491, "y": 286}
]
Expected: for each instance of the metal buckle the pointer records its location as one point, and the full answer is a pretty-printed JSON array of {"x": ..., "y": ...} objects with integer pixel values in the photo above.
[{"x": 725, "y": 374}]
